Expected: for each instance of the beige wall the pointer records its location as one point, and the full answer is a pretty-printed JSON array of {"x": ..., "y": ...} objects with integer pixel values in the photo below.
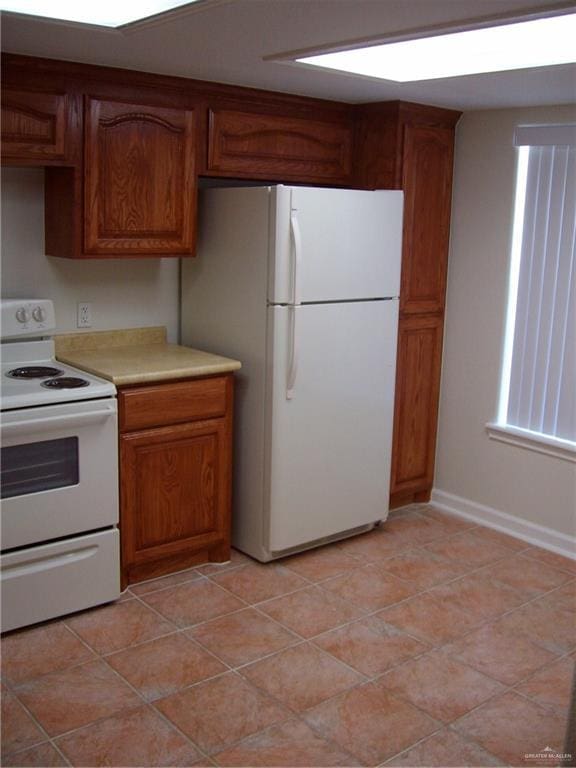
[
  {"x": 526, "y": 485},
  {"x": 125, "y": 293}
]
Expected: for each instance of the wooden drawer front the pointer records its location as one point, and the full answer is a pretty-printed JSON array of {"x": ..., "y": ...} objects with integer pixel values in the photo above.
[
  {"x": 33, "y": 125},
  {"x": 162, "y": 404},
  {"x": 269, "y": 146}
]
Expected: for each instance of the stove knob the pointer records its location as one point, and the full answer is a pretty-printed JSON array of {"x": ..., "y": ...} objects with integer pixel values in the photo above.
[
  {"x": 22, "y": 315},
  {"x": 39, "y": 314}
]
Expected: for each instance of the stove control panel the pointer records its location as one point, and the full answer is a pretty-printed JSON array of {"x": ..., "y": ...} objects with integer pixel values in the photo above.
[{"x": 26, "y": 317}]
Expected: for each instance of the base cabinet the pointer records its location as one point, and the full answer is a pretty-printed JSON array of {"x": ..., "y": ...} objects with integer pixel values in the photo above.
[
  {"x": 174, "y": 477},
  {"x": 416, "y": 407}
]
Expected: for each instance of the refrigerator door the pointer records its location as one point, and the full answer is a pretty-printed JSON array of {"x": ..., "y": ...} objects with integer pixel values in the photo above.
[
  {"x": 331, "y": 407},
  {"x": 334, "y": 244}
]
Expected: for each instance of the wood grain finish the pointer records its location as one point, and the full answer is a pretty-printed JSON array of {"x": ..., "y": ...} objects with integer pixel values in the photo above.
[
  {"x": 171, "y": 478},
  {"x": 410, "y": 147},
  {"x": 34, "y": 125},
  {"x": 427, "y": 184},
  {"x": 140, "y": 189},
  {"x": 245, "y": 133},
  {"x": 278, "y": 147},
  {"x": 163, "y": 404},
  {"x": 416, "y": 412},
  {"x": 175, "y": 478}
]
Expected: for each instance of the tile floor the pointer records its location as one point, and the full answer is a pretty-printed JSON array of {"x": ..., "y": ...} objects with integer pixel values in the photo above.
[{"x": 426, "y": 642}]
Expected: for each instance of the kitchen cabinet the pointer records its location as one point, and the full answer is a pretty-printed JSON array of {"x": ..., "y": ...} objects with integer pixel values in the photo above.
[
  {"x": 416, "y": 406},
  {"x": 264, "y": 146},
  {"x": 133, "y": 191},
  {"x": 427, "y": 161},
  {"x": 175, "y": 475},
  {"x": 34, "y": 126},
  {"x": 139, "y": 179},
  {"x": 409, "y": 147},
  {"x": 427, "y": 183}
]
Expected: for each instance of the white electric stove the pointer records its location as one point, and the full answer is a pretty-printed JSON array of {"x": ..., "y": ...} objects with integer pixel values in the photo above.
[{"x": 59, "y": 475}]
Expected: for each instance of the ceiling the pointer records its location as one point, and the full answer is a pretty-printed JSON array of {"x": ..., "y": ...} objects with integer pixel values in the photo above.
[{"x": 228, "y": 41}]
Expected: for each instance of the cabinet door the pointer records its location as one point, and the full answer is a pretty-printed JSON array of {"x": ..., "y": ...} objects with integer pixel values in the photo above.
[
  {"x": 427, "y": 184},
  {"x": 140, "y": 188},
  {"x": 33, "y": 126},
  {"x": 416, "y": 407},
  {"x": 175, "y": 495},
  {"x": 273, "y": 147}
]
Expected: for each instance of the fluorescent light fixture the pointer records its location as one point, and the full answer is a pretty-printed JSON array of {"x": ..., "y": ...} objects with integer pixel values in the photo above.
[
  {"x": 105, "y": 13},
  {"x": 536, "y": 43}
]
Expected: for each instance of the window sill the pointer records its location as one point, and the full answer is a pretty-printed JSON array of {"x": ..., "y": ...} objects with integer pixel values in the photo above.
[{"x": 533, "y": 441}]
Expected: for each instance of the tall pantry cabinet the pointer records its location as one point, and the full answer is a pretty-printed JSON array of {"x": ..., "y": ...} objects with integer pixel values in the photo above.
[{"x": 405, "y": 146}]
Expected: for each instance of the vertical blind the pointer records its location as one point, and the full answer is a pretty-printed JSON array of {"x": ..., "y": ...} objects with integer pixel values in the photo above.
[{"x": 542, "y": 375}]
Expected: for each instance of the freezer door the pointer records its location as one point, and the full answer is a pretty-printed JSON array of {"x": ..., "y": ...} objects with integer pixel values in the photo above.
[
  {"x": 334, "y": 244},
  {"x": 332, "y": 393}
]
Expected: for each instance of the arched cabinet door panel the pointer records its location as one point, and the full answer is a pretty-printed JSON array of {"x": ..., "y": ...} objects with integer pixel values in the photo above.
[{"x": 140, "y": 184}]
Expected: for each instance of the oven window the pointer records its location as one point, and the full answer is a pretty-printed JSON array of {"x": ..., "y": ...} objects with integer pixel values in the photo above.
[{"x": 35, "y": 467}]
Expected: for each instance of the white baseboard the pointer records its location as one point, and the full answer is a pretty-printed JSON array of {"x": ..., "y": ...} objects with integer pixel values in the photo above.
[{"x": 539, "y": 535}]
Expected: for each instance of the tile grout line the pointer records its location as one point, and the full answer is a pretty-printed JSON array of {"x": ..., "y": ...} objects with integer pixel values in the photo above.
[
  {"x": 310, "y": 639},
  {"x": 318, "y": 584},
  {"x": 143, "y": 703}
]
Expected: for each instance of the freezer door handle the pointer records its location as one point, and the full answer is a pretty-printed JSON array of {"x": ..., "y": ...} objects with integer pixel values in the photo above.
[
  {"x": 293, "y": 353},
  {"x": 297, "y": 256}
]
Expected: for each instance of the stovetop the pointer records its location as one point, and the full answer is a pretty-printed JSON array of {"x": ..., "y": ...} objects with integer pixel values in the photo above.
[{"x": 72, "y": 385}]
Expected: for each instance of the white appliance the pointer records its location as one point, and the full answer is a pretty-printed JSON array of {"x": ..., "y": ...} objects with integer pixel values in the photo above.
[
  {"x": 301, "y": 285},
  {"x": 59, "y": 476}
]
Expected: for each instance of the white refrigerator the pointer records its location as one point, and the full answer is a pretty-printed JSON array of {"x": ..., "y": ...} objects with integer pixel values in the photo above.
[{"x": 301, "y": 284}]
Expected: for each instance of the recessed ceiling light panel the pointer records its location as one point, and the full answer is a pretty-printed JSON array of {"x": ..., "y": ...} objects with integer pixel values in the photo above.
[
  {"x": 522, "y": 45},
  {"x": 105, "y": 13}
]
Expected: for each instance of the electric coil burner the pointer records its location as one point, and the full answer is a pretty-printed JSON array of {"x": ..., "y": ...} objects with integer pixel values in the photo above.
[
  {"x": 59, "y": 473},
  {"x": 34, "y": 372},
  {"x": 65, "y": 382}
]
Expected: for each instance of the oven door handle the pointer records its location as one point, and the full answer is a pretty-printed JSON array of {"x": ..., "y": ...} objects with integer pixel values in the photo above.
[{"x": 50, "y": 423}]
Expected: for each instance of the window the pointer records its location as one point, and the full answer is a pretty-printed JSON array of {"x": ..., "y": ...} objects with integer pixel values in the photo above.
[{"x": 538, "y": 390}]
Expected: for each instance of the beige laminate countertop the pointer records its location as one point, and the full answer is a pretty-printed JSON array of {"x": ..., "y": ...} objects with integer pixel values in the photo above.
[{"x": 138, "y": 356}]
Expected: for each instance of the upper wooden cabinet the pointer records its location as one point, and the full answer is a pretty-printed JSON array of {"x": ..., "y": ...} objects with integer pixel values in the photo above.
[
  {"x": 264, "y": 146},
  {"x": 427, "y": 183},
  {"x": 34, "y": 126},
  {"x": 139, "y": 179}
]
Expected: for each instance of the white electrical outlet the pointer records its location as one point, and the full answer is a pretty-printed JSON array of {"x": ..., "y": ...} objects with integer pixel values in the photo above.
[{"x": 84, "y": 319}]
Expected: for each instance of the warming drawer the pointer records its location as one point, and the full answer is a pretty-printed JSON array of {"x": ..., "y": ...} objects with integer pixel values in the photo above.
[{"x": 50, "y": 580}]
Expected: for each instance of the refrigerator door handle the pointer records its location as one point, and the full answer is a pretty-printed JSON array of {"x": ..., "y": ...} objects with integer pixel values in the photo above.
[
  {"x": 293, "y": 353},
  {"x": 297, "y": 256}
]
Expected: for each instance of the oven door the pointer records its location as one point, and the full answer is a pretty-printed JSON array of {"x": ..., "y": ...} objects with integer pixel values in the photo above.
[{"x": 59, "y": 471}]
